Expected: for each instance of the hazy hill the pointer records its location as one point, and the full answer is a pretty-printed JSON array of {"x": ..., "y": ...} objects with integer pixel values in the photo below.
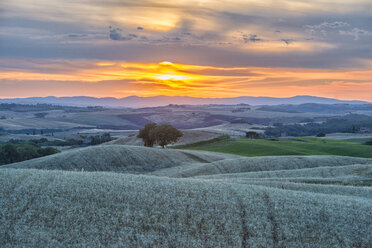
[
  {"x": 318, "y": 108},
  {"x": 138, "y": 102}
]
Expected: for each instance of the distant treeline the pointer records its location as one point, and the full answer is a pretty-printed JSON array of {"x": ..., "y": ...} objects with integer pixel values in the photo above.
[
  {"x": 46, "y": 142},
  {"x": 317, "y": 108},
  {"x": 347, "y": 124},
  {"x": 45, "y": 107},
  {"x": 11, "y": 153},
  {"x": 92, "y": 140}
]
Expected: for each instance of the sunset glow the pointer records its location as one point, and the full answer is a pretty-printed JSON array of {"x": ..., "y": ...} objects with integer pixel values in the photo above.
[
  {"x": 120, "y": 79},
  {"x": 189, "y": 48}
]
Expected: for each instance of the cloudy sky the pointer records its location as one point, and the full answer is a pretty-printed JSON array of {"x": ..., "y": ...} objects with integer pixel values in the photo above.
[{"x": 201, "y": 48}]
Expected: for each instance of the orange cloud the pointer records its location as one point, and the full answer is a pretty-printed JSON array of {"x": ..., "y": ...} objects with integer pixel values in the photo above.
[{"x": 167, "y": 78}]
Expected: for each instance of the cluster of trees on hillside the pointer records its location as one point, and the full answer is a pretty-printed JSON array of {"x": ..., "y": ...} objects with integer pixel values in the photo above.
[
  {"x": 99, "y": 139},
  {"x": 317, "y": 108},
  {"x": 162, "y": 135},
  {"x": 336, "y": 125},
  {"x": 92, "y": 140},
  {"x": 17, "y": 107},
  {"x": 46, "y": 142},
  {"x": 10, "y": 153}
]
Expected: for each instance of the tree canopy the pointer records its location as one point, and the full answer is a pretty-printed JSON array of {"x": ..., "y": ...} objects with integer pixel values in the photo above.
[
  {"x": 162, "y": 135},
  {"x": 144, "y": 134},
  {"x": 11, "y": 153}
]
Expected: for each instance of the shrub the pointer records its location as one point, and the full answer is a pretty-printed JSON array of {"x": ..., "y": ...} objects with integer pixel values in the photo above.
[
  {"x": 368, "y": 143},
  {"x": 321, "y": 135}
]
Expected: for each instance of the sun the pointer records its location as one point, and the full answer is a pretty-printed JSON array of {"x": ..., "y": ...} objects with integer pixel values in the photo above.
[
  {"x": 169, "y": 77},
  {"x": 166, "y": 63}
]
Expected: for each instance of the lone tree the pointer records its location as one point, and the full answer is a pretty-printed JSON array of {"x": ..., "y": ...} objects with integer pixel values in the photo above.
[
  {"x": 162, "y": 135},
  {"x": 144, "y": 134},
  {"x": 165, "y": 134},
  {"x": 252, "y": 135}
]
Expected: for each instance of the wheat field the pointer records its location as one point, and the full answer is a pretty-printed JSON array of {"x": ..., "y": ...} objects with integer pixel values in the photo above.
[{"x": 126, "y": 196}]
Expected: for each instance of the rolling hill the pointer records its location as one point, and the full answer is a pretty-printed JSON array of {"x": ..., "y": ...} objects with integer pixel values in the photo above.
[
  {"x": 130, "y": 196},
  {"x": 118, "y": 158},
  {"x": 50, "y": 208},
  {"x": 285, "y": 146}
]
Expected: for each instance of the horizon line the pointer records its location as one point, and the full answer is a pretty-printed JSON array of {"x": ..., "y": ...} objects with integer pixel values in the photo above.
[{"x": 105, "y": 97}]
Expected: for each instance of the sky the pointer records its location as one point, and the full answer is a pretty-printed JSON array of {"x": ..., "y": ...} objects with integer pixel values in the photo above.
[{"x": 200, "y": 48}]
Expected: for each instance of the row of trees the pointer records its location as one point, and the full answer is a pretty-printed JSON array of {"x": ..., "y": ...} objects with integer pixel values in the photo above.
[
  {"x": 10, "y": 153},
  {"x": 162, "y": 135},
  {"x": 337, "y": 125}
]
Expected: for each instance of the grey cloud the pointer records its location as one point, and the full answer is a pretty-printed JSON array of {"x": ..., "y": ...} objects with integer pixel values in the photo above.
[
  {"x": 189, "y": 42},
  {"x": 116, "y": 34},
  {"x": 287, "y": 41},
  {"x": 76, "y": 35},
  {"x": 167, "y": 39},
  {"x": 253, "y": 38},
  {"x": 324, "y": 27},
  {"x": 356, "y": 32},
  {"x": 331, "y": 25},
  {"x": 250, "y": 38}
]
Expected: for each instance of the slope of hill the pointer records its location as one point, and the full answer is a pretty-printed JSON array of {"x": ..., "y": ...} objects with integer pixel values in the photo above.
[
  {"x": 287, "y": 146},
  {"x": 41, "y": 208},
  {"x": 118, "y": 158},
  {"x": 269, "y": 163},
  {"x": 361, "y": 171},
  {"x": 78, "y": 199},
  {"x": 189, "y": 136}
]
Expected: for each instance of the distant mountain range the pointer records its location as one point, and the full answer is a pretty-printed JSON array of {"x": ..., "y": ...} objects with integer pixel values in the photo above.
[{"x": 139, "y": 102}]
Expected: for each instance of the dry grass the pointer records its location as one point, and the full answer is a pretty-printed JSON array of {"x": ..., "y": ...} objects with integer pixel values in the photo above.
[
  {"x": 189, "y": 136},
  {"x": 365, "y": 192},
  {"x": 270, "y": 163},
  {"x": 37, "y": 123},
  {"x": 93, "y": 209},
  {"x": 118, "y": 158},
  {"x": 363, "y": 171},
  {"x": 228, "y": 201}
]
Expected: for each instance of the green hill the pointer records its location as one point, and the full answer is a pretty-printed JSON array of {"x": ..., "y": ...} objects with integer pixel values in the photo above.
[{"x": 286, "y": 146}]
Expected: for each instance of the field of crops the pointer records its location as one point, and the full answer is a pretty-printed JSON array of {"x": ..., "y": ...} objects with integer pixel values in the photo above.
[
  {"x": 287, "y": 146},
  {"x": 128, "y": 196}
]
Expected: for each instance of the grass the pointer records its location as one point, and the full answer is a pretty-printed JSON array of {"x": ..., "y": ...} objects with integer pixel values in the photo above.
[
  {"x": 360, "y": 171},
  {"x": 286, "y": 146},
  {"x": 118, "y": 158},
  {"x": 243, "y": 165},
  {"x": 220, "y": 138},
  {"x": 41, "y": 208},
  {"x": 77, "y": 199},
  {"x": 358, "y": 140}
]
